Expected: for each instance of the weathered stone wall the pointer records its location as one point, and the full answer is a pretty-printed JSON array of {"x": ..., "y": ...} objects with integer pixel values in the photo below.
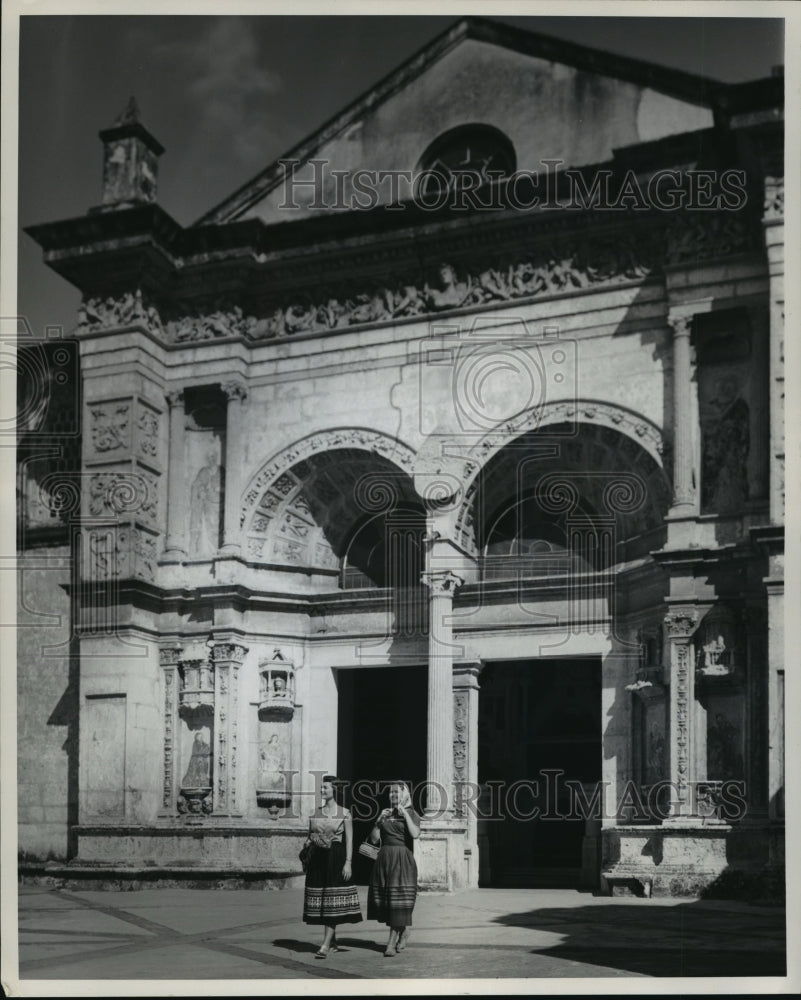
[
  {"x": 47, "y": 719},
  {"x": 546, "y": 118}
]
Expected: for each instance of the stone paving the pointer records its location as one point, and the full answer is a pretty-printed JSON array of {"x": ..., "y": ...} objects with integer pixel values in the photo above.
[{"x": 216, "y": 934}]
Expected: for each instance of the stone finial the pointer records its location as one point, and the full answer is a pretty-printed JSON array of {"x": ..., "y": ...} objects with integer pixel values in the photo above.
[
  {"x": 129, "y": 115},
  {"x": 130, "y": 162}
]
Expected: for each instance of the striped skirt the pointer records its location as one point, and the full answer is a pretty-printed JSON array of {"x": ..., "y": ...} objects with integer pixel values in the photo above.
[
  {"x": 327, "y": 899},
  {"x": 393, "y": 887}
]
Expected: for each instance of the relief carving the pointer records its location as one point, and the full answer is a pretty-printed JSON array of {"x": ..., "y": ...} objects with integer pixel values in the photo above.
[
  {"x": 206, "y": 508},
  {"x": 111, "y": 427},
  {"x": 129, "y": 309},
  {"x": 114, "y": 493}
]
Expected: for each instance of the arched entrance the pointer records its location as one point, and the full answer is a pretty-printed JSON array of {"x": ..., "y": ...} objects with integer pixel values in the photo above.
[
  {"x": 350, "y": 522},
  {"x": 562, "y": 519}
]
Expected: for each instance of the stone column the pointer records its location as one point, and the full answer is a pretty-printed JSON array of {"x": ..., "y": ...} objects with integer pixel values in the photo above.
[
  {"x": 234, "y": 436},
  {"x": 175, "y": 548},
  {"x": 465, "y": 754},
  {"x": 680, "y": 623},
  {"x": 442, "y": 585},
  {"x": 228, "y": 655},
  {"x": 169, "y": 655},
  {"x": 685, "y": 461}
]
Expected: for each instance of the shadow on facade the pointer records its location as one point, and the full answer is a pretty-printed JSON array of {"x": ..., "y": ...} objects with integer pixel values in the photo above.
[{"x": 681, "y": 940}]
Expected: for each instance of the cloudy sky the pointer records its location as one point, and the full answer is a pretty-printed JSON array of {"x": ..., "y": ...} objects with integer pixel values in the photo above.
[{"x": 227, "y": 95}]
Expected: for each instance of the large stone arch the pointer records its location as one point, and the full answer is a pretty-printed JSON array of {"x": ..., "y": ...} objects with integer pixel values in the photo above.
[
  {"x": 277, "y": 522},
  {"x": 570, "y": 415}
]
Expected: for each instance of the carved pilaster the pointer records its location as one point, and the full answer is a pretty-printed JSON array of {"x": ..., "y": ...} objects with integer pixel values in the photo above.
[
  {"x": 169, "y": 656},
  {"x": 234, "y": 436},
  {"x": 176, "y": 493},
  {"x": 442, "y": 585},
  {"x": 680, "y": 623},
  {"x": 228, "y": 657}
]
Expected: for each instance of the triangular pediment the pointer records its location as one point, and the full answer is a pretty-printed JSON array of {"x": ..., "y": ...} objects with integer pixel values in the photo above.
[{"x": 552, "y": 100}]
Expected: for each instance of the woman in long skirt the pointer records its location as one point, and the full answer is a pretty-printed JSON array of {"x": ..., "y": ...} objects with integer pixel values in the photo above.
[
  {"x": 330, "y": 898},
  {"x": 393, "y": 884}
]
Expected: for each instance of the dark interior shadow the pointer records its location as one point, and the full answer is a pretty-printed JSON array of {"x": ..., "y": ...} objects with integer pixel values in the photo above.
[{"x": 681, "y": 940}]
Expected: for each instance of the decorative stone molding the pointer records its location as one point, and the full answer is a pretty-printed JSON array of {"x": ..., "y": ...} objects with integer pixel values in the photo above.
[
  {"x": 175, "y": 397},
  {"x": 270, "y": 475},
  {"x": 634, "y": 425},
  {"x": 126, "y": 310}
]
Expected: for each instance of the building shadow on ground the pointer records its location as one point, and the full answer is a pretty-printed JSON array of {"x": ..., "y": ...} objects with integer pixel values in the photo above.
[{"x": 683, "y": 940}]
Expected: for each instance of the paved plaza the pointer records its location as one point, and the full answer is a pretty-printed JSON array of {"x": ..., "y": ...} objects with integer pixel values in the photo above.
[{"x": 216, "y": 934}]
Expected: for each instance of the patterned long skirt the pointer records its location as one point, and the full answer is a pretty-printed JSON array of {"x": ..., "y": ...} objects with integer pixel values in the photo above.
[
  {"x": 328, "y": 899},
  {"x": 393, "y": 887}
]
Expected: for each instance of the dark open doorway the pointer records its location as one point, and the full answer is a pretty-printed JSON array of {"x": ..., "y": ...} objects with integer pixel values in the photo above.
[
  {"x": 539, "y": 721},
  {"x": 382, "y": 734}
]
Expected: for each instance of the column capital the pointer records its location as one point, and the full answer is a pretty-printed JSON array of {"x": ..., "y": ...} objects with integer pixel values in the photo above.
[
  {"x": 681, "y": 323},
  {"x": 170, "y": 654},
  {"x": 465, "y": 675},
  {"x": 681, "y": 622},
  {"x": 442, "y": 582},
  {"x": 234, "y": 390},
  {"x": 228, "y": 651},
  {"x": 174, "y": 397}
]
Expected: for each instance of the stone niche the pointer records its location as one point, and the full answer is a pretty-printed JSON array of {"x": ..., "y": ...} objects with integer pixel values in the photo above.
[
  {"x": 276, "y": 709},
  {"x": 196, "y": 712}
]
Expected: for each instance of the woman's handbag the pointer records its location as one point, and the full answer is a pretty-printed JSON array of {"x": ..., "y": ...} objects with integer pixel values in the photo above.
[
  {"x": 369, "y": 850},
  {"x": 305, "y": 855}
]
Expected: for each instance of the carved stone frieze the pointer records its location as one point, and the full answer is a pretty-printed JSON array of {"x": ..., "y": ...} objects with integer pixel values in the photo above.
[
  {"x": 129, "y": 309},
  {"x": 706, "y": 236}
]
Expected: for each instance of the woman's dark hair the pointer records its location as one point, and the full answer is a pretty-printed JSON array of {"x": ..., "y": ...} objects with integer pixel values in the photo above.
[{"x": 332, "y": 779}]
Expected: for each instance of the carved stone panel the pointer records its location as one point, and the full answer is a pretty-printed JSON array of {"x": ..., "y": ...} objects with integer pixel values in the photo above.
[{"x": 110, "y": 428}]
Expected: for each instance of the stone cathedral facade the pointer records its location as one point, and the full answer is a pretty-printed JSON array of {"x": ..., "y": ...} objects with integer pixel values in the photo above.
[{"x": 477, "y": 484}]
